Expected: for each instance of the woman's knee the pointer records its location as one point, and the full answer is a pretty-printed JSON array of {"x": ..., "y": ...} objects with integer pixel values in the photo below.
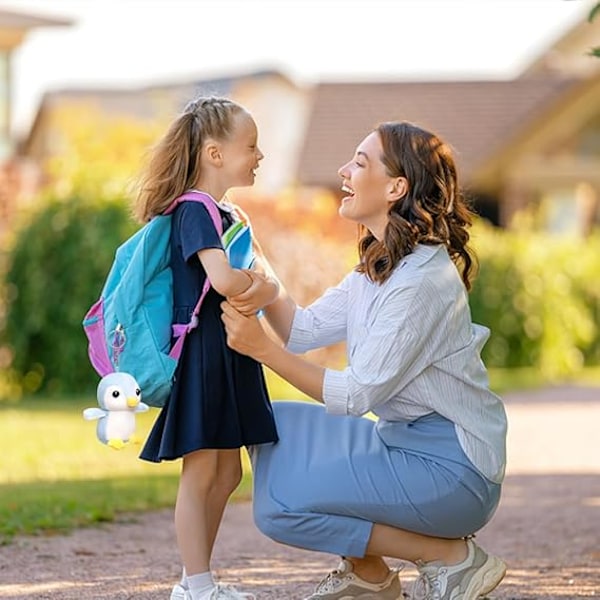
[
  {"x": 274, "y": 521},
  {"x": 264, "y": 521}
]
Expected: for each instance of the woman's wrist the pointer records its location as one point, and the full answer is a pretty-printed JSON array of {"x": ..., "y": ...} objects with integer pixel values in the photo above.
[
  {"x": 267, "y": 353},
  {"x": 274, "y": 284}
]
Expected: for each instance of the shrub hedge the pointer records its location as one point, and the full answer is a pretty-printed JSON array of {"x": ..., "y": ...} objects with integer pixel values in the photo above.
[
  {"x": 539, "y": 295},
  {"x": 54, "y": 273}
]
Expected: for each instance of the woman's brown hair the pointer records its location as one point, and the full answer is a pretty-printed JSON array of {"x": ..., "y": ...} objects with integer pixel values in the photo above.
[
  {"x": 433, "y": 210},
  {"x": 174, "y": 164}
]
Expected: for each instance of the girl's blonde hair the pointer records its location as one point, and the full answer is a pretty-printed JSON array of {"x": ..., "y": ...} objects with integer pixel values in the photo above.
[{"x": 174, "y": 163}]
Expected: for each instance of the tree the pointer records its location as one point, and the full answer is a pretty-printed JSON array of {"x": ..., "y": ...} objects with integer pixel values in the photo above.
[{"x": 593, "y": 14}]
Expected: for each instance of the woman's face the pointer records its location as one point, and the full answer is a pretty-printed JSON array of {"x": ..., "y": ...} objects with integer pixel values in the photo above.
[{"x": 370, "y": 189}]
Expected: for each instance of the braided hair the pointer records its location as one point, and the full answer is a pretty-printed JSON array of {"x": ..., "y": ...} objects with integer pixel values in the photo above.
[{"x": 174, "y": 164}]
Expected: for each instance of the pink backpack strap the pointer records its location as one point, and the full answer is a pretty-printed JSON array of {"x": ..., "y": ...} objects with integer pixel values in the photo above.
[
  {"x": 182, "y": 329},
  {"x": 209, "y": 202}
]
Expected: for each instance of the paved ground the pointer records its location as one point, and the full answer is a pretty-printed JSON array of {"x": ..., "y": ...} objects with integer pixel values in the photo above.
[{"x": 547, "y": 528}]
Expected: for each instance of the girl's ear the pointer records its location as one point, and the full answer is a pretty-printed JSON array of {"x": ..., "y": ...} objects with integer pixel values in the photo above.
[{"x": 212, "y": 153}]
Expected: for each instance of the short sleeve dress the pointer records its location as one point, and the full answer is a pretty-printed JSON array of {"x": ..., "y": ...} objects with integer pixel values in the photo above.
[{"x": 219, "y": 398}]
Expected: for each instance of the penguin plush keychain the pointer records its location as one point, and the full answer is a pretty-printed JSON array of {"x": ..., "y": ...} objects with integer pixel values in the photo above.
[{"x": 119, "y": 399}]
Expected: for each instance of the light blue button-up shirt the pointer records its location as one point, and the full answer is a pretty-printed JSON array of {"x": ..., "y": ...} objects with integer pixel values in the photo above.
[{"x": 412, "y": 349}]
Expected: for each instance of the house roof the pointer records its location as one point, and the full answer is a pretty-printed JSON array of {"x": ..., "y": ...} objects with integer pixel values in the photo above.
[
  {"x": 570, "y": 53},
  {"x": 145, "y": 102},
  {"x": 476, "y": 118},
  {"x": 22, "y": 21}
]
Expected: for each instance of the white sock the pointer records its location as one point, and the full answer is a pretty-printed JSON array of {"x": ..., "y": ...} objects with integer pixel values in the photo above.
[{"x": 199, "y": 584}]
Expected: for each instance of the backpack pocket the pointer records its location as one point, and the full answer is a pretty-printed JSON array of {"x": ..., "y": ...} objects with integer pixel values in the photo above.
[{"x": 93, "y": 327}]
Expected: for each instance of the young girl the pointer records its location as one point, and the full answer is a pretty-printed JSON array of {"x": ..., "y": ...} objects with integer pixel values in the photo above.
[{"x": 219, "y": 400}]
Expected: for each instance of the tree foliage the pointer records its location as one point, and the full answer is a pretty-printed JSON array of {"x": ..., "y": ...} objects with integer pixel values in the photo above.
[
  {"x": 538, "y": 294},
  {"x": 96, "y": 153},
  {"x": 594, "y": 14},
  {"x": 55, "y": 272}
]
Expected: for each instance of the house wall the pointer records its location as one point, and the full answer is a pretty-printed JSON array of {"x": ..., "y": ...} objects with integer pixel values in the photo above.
[
  {"x": 552, "y": 168},
  {"x": 281, "y": 111},
  {"x": 279, "y": 107}
]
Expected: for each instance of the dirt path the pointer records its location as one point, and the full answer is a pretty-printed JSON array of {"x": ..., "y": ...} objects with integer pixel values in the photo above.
[{"x": 547, "y": 528}]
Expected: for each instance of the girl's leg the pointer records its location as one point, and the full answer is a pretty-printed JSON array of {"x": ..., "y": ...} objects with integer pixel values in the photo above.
[
  {"x": 208, "y": 478},
  {"x": 229, "y": 476},
  {"x": 192, "y": 525}
]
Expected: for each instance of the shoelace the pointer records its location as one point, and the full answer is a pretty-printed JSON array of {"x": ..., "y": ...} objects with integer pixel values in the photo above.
[
  {"x": 228, "y": 592},
  {"x": 330, "y": 583},
  {"x": 427, "y": 585}
]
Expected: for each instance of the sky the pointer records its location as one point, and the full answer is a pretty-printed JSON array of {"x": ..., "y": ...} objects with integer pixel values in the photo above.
[{"x": 125, "y": 43}]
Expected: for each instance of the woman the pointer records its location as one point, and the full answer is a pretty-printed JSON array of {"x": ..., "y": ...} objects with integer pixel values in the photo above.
[{"x": 417, "y": 483}]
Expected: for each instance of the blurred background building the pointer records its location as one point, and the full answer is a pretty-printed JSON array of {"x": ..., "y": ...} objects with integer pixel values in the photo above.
[
  {"x": 13, "y": 176},
  {"x": 526, "y": 146}
]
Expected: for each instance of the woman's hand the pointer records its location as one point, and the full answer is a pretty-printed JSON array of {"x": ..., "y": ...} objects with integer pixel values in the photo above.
[
  {"x": 244, "y": 333},
  {"x": 262, "y": 291},
  {"x": 246, "y": 336}
]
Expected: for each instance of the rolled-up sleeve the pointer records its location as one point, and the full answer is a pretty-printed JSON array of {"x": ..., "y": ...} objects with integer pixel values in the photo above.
[{"x": 322, "y": 323}]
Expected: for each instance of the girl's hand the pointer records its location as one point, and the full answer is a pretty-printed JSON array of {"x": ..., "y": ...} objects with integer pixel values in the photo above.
[
  {"x": 261, "y": 292},
  {"x": 244, "y": 333}
]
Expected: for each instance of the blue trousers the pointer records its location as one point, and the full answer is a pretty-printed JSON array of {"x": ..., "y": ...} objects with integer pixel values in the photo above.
[{"x": 329, "y": 478}]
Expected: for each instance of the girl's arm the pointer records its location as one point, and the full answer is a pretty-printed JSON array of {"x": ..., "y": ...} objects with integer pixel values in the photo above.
[
  {"x": 225, "y": 279},
  {"x": 265, "y": 285},
  {"x": 280, "y": 308},
  {"x": 246, "y": 335},
  {"x": 262, "y": 292},
  {"x": 277, "y": 306}
]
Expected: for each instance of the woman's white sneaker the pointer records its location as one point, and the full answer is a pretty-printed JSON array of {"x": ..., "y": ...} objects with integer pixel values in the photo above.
[
  {"x": 476, "y": 576},
  {"x": 343, "y": 583}
]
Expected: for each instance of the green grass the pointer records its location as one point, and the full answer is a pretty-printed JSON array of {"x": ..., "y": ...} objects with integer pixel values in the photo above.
[{"x": 55, "y": 475}]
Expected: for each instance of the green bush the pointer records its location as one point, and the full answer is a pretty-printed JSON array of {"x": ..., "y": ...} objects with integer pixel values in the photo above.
[
  {"x": 55, "y": 272},
  {"x": 539, "y": 295}
]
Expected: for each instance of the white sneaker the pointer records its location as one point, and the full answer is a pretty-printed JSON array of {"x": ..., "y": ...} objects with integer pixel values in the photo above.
[
  {"x": 476, "y": 576},
  {"x": 179, "y": 593},
  {"x": 343, "y": 584},
  {"x": 226, "y": 592}
]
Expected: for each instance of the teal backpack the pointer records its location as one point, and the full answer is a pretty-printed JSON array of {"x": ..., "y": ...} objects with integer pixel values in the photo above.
[{"x": 129, "y": 328}]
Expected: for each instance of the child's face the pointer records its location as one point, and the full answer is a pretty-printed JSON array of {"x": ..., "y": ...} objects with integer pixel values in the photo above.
[{"x": 241, "y": 154}]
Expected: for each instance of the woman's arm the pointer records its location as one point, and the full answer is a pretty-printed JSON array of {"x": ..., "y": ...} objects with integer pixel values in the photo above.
[
  {"x": 246, "y": 335},
  {"x": 280, "y": 314}
]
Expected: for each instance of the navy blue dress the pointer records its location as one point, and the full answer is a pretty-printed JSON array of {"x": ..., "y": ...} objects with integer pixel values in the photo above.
[{"x": 219, "y": 398}]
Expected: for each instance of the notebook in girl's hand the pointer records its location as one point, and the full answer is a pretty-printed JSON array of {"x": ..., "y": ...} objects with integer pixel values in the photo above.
[{"x": 237, "y": 241}]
